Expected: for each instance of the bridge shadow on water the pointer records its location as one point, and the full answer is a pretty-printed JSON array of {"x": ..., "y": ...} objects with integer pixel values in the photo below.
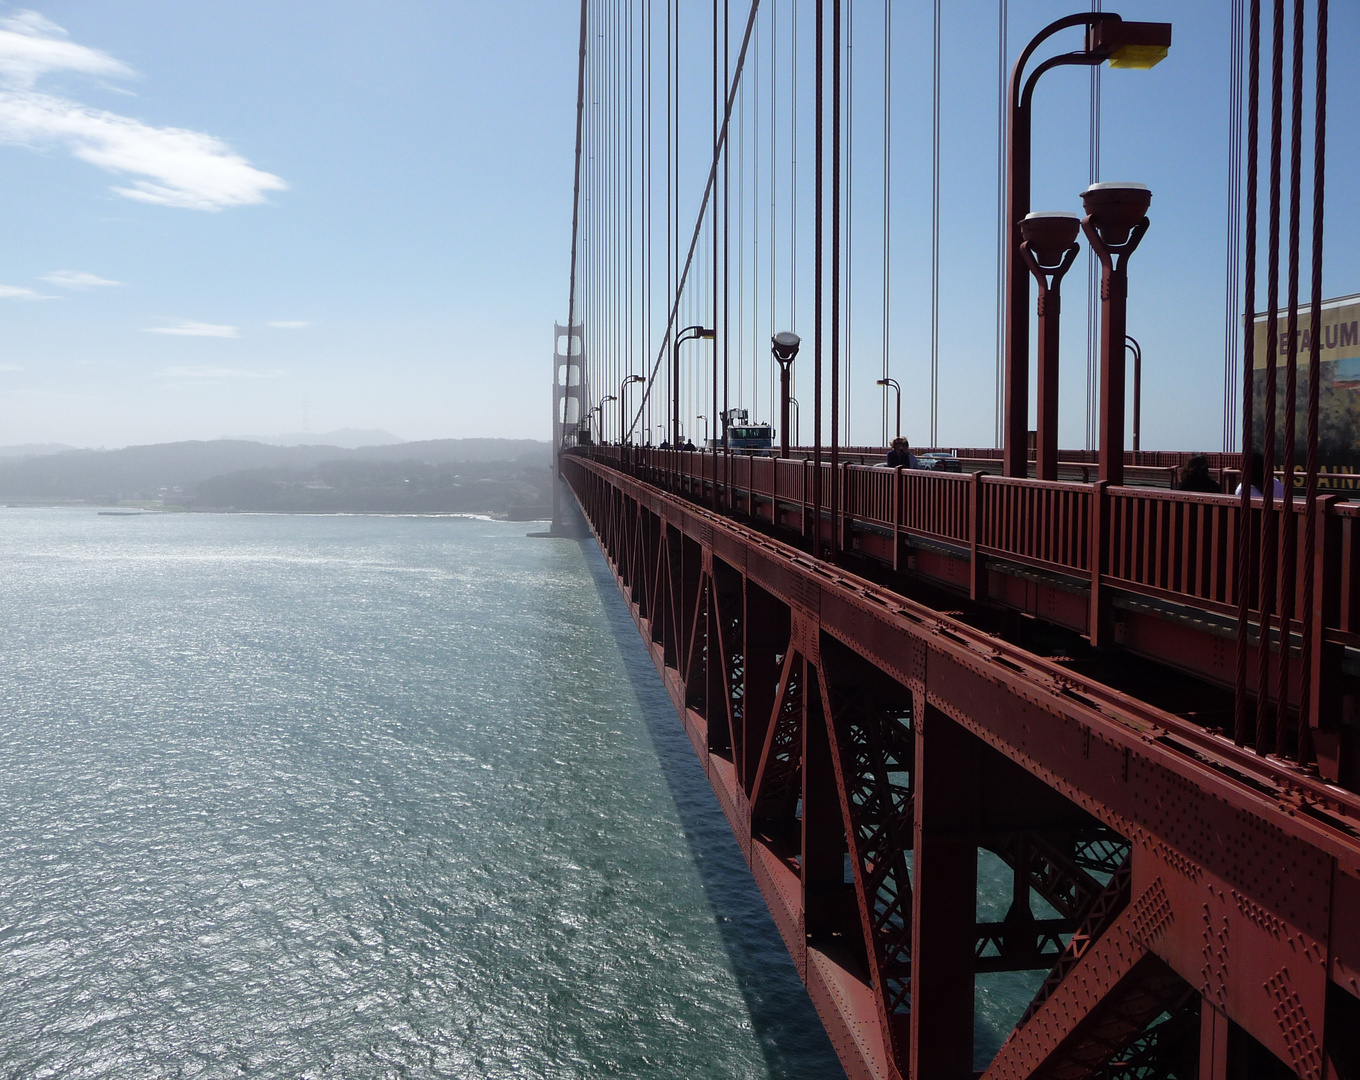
[{"x": 787, "y": 1027}]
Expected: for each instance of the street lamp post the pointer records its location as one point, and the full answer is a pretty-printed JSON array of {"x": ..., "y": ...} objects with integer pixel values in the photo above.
[
  {"x": 793, "y": 404},
  {"x": 1132, "y": 344},
  {"x": 704, "y": 418},
  {"x": 898, "y": 387},
  {"x": 784, "y": 347},
  {"x": 623, "y": 389},
  {"x": 603, "y": 402},
  {"x": 1049, "y": 246},
  {"x": 1123, "y": 44},
  {"x": 694, "y": 333},
  {"x": 1116, "y": 219}
]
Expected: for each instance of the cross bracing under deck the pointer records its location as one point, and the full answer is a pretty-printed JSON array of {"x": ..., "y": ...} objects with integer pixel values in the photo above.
[
  {"x": 1137, "y": 700},
  {"x": 1200, "y": 889}
]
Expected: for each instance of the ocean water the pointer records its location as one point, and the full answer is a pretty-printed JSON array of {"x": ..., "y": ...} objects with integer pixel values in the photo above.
[{"x": 358, "y": 797}]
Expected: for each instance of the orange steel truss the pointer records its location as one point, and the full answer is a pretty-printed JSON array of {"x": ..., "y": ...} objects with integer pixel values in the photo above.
[{"x": 865, "y": 747}]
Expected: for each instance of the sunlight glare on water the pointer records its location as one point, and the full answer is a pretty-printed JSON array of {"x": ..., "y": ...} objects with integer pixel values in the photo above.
[{"x": 361, "y": 797}]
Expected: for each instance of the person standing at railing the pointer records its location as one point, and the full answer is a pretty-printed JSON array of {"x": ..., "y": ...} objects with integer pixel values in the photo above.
[
  {"x": 900, "y": 455},
  {"x": 1194, "y": 476},
  {"x": 1258, "y": 472}
]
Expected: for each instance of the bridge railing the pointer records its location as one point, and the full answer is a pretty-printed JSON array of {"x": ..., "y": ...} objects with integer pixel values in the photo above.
[
  {"x": 1036, "y": 521},
  {"x": 1175, "y": 546}
]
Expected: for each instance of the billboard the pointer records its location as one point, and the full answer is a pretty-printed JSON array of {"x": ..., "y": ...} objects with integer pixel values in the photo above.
[{"x": 1339, "y": 337}]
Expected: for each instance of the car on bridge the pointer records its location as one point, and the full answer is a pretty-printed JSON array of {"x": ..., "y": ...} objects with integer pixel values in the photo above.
[{"x": 939, "y": 462}]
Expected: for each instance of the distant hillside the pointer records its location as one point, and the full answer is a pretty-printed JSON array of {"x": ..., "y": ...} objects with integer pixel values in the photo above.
[
  {"x": 349, "y": 438},
  {"x": 390, "y": 487},
  {"x": 33, "y": 449},
  {"x": 175, "y": 472}
]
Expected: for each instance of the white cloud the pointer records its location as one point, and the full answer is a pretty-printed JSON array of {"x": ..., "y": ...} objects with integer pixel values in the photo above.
[
  {"x": 289, "y": 324},
  {"x": 77, "y": 279},
  {"x": 32, "y": 46},
  {"x": 167, "y": 166},
  {"x": 21, "y": 292},
  {"x": 189, "y": 328},
  {"x": 219, "y": 373}
]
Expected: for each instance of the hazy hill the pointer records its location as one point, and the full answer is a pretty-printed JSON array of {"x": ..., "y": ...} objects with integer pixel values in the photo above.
[
  {"x": 174, "y": 472},
  {"x": 391, "y": 487},
  {"x": 33, "y": 449},
  {"x": 349, "y": 438}
]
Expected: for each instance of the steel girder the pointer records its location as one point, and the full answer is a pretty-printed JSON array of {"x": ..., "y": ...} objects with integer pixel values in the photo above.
[{"x": 1196, "y": 887}]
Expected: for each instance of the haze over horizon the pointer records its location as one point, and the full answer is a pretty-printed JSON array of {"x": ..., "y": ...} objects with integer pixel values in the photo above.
[
  {"x": 260, "y": 218},
  {"x": 305, "y": 217}
]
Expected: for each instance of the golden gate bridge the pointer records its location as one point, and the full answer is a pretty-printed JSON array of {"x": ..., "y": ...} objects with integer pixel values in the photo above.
[{"x": 1139, "y": 698}]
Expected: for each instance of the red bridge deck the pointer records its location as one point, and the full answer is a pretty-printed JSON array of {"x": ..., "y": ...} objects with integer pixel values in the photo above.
[{"x": 1205, "y": 898}]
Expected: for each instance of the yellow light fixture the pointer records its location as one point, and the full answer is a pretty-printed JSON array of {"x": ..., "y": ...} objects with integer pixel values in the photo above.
[{"x": 1134, "y": 45}]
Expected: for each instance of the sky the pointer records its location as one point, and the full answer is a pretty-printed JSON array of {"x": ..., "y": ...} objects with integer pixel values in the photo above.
[
  {"x": 230, "y": 219},
  {"x": 1166, "y": 128},
  {"x": 261, "y": 217}
]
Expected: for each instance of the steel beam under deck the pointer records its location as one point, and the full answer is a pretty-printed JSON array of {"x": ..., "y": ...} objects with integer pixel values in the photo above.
[{"x": 1208, "y": 899}]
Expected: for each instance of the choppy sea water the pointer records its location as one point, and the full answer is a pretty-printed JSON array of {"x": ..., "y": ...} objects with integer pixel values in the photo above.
[{"x": 358, "y": 797}]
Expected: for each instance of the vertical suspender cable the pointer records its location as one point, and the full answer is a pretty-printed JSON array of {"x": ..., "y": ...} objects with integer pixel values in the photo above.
[
  {"x": 793, "y": 180},
  {"x": 671, "y": 241},
  {"x": 720, "y": 422},
  {"x": 1288, "y": 535},
  {"x": 935, "y": 239},
  {"x": 887, "y": 202},
  {"x": 632, "y": 300},
  {"x": 616, "y": 294},
  {"x": 848, "y": 261},
  {"x": 774, "y": 187},
  {"x": 740, "y": 336},
  {"x": 1232, "y": 293},
  {"x": 1264, "y": 728},
  {"x": 1093, "y": 270},
  {"x": 644, "y": 436},
  {"x": 588, "y": 212},
  {"x": 714, "y": 92},
  {"x": 1241, "y": 701},
  {"x": 1002, "y": 226},
  {"x": 717, "y": 238},
  {"x": 1308, "y": 690},
  {"x": 755, "y": 228},
  {"x": 835, "y": 274},
  {"x": 819, "y": 157}
]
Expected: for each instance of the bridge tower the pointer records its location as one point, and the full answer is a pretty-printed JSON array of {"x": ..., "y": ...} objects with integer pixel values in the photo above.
[{"x": 568, "y": 403}]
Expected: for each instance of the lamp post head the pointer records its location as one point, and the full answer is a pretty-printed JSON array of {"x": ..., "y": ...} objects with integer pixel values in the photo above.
[
  {"x": 1130, "y": 44},
  {"x": 633, "y": 379},
  {"x": 1049, "y": 233},
  {"x": 784, "y": 345},
  {"x": 1115, "y": 209}
]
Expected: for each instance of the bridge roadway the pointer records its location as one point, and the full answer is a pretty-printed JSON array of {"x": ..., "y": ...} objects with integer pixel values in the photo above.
[{"x": 868, "y": 726}]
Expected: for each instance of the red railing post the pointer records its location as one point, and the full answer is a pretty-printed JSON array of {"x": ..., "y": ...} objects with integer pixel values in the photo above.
[
  {"x": 1330, "y": 742},
  {"x": 802, "y": 495},
  {"x": 977, "y": 577},
  {"x": 1098, "y": 624},
  {"x": 897, "y": 518},
  {"x": 841, "y": 519}
]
